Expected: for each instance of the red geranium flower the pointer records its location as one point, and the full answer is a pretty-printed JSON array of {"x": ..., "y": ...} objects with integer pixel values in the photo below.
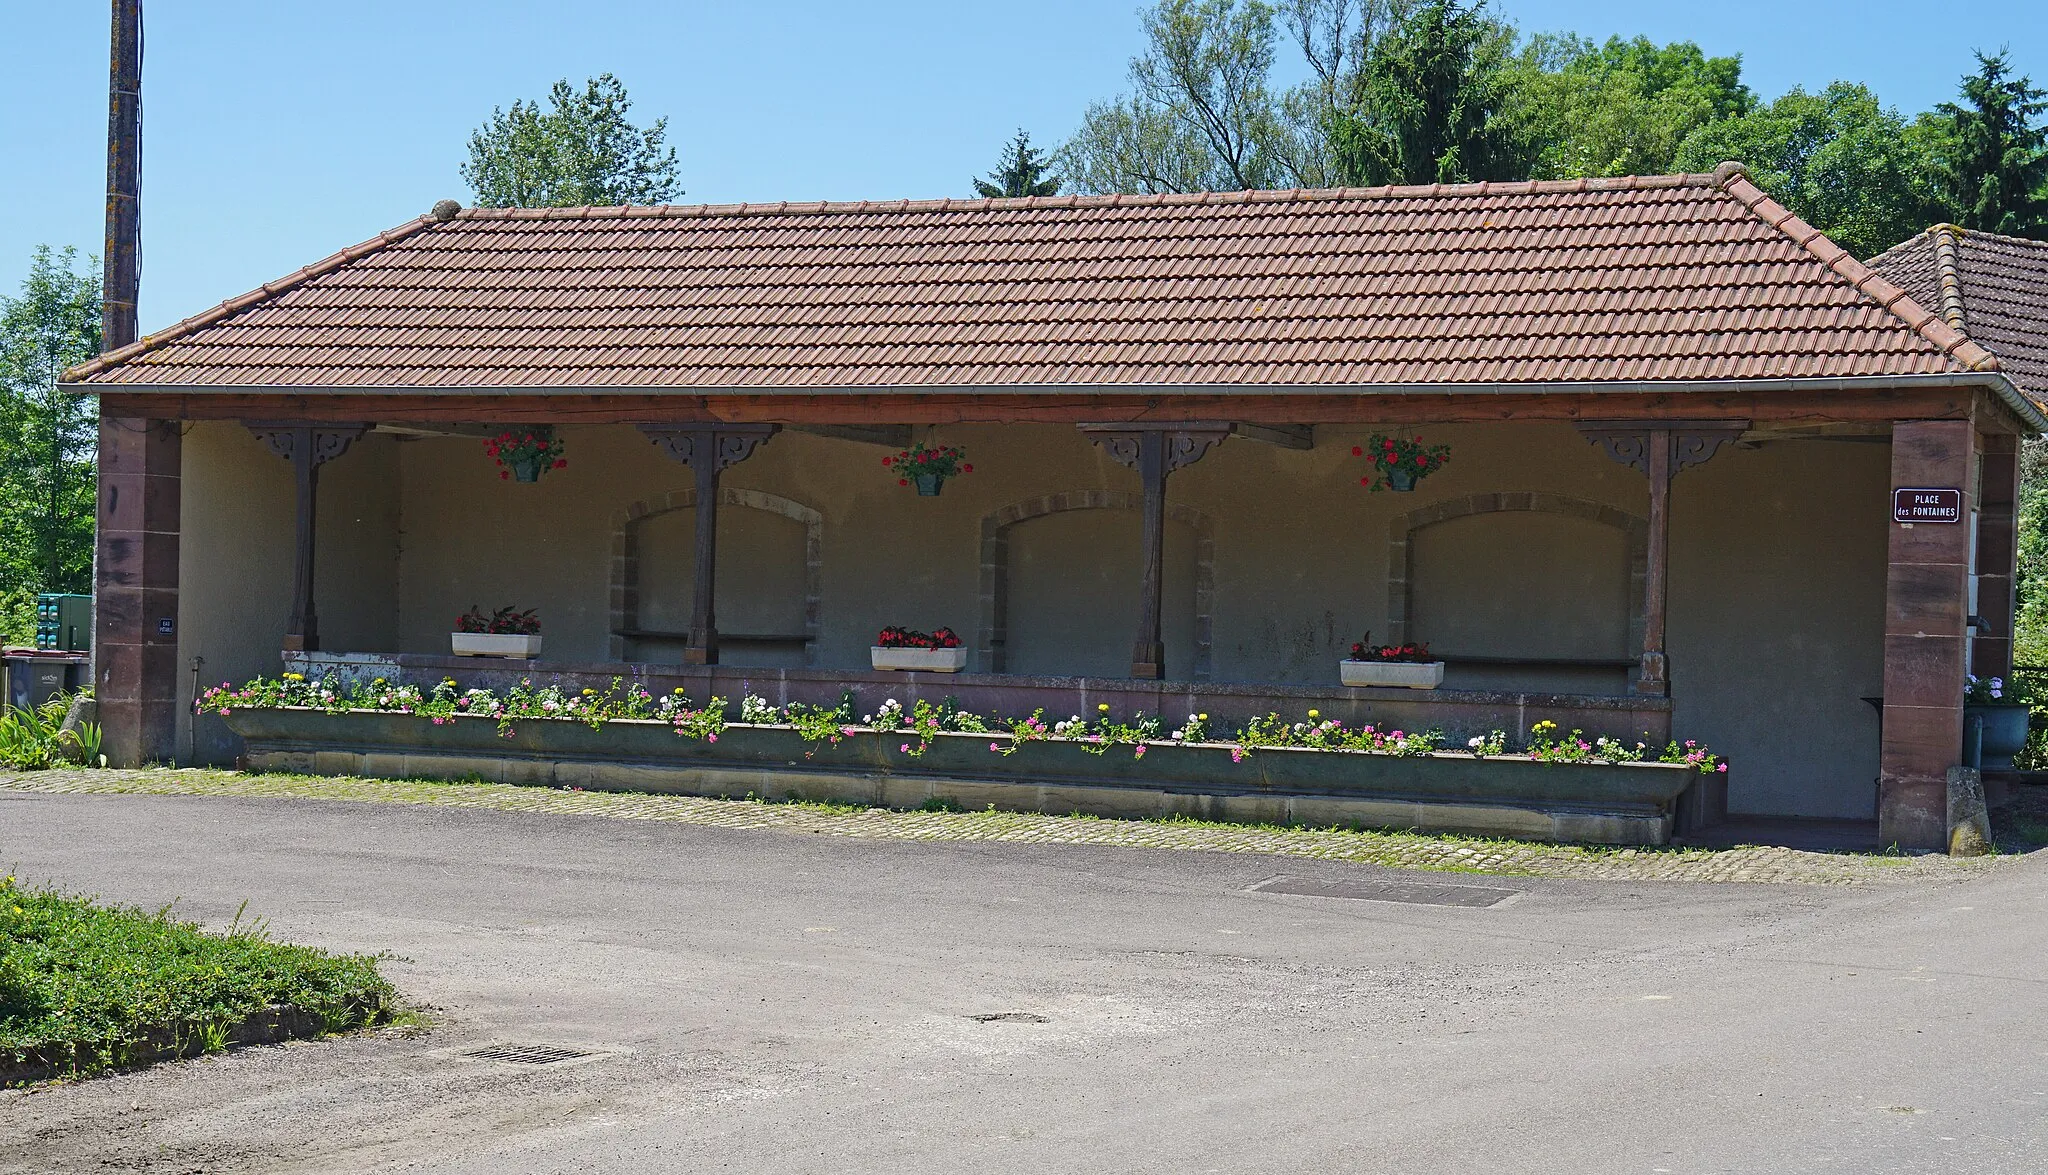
[
  {"x": 887, "y": 460},
  {"x": 903, "y": 481},
  {"x": 1357, "y": 452},
  {"x": 561, "y": 463}
]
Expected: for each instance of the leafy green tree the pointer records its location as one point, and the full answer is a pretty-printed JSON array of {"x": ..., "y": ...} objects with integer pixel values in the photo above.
[
  {"x": 48, "y": 438},
  {"x": 1994, "y": 165},
  {"x": 1436, "y": 96},
  {"x": 1621, "y": 108},
  {"x": 579, "y": 149},
  {"x": 1202, "y": 115},
  {"x": 1844, "y": 162},
  {"x": 1023, "y": 173}
]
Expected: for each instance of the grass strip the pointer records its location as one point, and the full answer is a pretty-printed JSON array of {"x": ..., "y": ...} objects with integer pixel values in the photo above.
[{"x": 86, "y": 987}]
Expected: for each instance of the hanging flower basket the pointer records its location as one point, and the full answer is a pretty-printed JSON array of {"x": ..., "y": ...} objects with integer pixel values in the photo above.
[
  {"x": 928, "y": 468},
  {"x": 1399, "y": 462},
  {"x": 524, "y": 454}
]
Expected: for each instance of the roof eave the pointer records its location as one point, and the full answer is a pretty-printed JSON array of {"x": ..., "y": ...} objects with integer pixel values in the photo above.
[{"x": 2030, "y": 414}]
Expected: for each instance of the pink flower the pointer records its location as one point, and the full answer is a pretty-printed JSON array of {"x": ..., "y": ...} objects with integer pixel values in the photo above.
[
  {"x": 1722, "y": 767},
  {"x": 1237, "y": 754},
  {"x": 905, "y": 748},
  {"x": 994, "y": 747},
  {"x": 711, "y": 738}
]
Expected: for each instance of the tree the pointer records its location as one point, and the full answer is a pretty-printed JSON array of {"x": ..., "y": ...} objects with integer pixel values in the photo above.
[
  {"x": 1202, "y": 115},
  {"x": 580, "y": 150},
  {"x": 1994, "y": 165},
  {"x": 1434, "y": 102},
  {"x": 48, "y": 438},
  {"x": 1621, "y": 108},
  {"x": 1844, "y": 162},
  {"x": 1023, "y": 173}
]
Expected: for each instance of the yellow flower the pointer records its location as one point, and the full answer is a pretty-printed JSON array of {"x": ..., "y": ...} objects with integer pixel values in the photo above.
[
  {"x": 1314, "y": 714},
  {"x": 590, "y": 693},
  {"x": 1104, "y": 707},
  {"x": 1201, "y": 717},
  {"x": 295, "y": 677}
]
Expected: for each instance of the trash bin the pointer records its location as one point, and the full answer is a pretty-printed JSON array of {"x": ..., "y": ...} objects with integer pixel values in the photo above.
[{"x": 35, "y": 678}]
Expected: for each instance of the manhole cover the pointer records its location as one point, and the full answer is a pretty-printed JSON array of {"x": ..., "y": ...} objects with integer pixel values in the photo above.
[
  {"x": 1413, "y": 893},
  {"x": 1011, "y": 1018},
  {"x": 529, "y": 1054}
]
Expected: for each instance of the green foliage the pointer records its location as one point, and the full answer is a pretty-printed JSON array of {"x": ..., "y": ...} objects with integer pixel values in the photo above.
[
  {"x": 1841, "y": 160},
  {"x": 48, "y": 438},
  {"x": 1994, "y": 163},
  {"x": 1621, "y": 108},
  {"x": 1025, "y": 171},
  {"x": 1433, "y": 102},
  {"x": 82, "y": 984},
  {"x": 580, "y": 149},
  {"x": 34, "y": 738}
]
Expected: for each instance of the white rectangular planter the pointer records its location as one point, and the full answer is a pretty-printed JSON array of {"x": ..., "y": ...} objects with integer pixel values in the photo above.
[
  {"x": 919, "y": 660},
  {"x": 523, "y": 646},
  {"x": 1410, "y": 674}
]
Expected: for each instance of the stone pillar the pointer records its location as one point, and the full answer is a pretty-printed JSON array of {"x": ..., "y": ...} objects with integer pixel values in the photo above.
[
  {"x": 1926, "y": 601},
  {"x": 135, "y": 594},
  {"x": 1998, "y": 546}
]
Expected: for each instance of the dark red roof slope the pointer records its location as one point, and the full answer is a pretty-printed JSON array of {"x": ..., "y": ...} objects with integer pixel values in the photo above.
[
  {"x": 1993, "y": 288},
  {"x": 1692, "y": 277}
]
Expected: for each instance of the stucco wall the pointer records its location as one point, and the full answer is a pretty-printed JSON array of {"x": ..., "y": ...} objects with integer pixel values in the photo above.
[
  {"x": 235, "y": 562},
  {"x": 1777, "y": 564}
]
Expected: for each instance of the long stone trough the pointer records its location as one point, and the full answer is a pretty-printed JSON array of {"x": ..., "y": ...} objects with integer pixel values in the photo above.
[{"x": 1631, "y": 803}]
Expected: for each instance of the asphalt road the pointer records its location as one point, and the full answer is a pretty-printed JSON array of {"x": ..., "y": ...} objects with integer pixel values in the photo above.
[{"x": 765, "y": 1002}]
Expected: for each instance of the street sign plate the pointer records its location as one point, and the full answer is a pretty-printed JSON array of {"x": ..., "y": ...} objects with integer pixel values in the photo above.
[{"x": 1927, "y": 505}]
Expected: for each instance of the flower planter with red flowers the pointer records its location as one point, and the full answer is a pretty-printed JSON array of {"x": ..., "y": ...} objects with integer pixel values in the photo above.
[
  {"x": 1405, "y": 666},
  {"x": 1399, "y": 462},
  {"x": 928, "y": 468},
  {"x": 507, "y": 632},
  {"x": 909, "y": 650},
  {"x": 523, "y": 454}
]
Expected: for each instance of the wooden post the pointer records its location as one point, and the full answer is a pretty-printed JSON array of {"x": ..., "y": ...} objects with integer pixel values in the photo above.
[
  {"x": 1926, "y": 601},
  {"x": 135, "y": 604},
  {"x": 1155, "y": 452},
  {"x": 122, "y": 269},
  {"x": 707, "y": 450},
  {"x": 1991, "y": 652},
  {"x": 1654, "y": 677},
  {"x": 1660, "y": 450},
  {"x": 1148, "y": 652},
  {"x": 703, "y": 646},
  {"x": 307, "y": 446}
]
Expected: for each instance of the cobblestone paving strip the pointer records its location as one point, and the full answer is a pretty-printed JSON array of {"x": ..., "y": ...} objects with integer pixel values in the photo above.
[{"x": 1394, "y": 849}]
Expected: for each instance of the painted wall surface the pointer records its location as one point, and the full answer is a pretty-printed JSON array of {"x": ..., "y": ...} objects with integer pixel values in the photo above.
[
  {"x": 235, "y": 562},
  {"x": 1777, "y": 564}
]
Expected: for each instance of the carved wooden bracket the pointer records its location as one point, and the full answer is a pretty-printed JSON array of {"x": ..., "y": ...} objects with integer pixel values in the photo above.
[
  {"x": 324, "y": 441},
  {"x": 1183, "y": 444},
  {"x": 1693, "y": 442},
  {"x": 729, "y": 444}
]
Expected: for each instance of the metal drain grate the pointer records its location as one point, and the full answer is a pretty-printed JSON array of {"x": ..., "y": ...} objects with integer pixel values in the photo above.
[
  {"x": 1411, "y": 893},
  {"x": 1011, "y": 1018},
  {"x": 528, "y": 1054}
]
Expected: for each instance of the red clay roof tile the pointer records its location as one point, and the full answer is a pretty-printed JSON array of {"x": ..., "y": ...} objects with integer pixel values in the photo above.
[{"x": 1663, "y": 277}]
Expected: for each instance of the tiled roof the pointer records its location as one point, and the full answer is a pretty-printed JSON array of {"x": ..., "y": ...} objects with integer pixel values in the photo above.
[
  {"x": 1681, "y": 278},
  {"x": 1993, "y": 288}
]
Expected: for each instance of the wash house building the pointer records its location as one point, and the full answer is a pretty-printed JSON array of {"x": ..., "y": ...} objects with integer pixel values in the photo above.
[{"x": 1677, "y": 419}]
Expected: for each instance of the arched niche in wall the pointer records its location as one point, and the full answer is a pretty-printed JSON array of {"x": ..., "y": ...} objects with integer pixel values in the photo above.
[
  {"x": 1060, "y": 580},
  {"x": 768, "y": 578},
  {"x": 1519, "y": 576}
]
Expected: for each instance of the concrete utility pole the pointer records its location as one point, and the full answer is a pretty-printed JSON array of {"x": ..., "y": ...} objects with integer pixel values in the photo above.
[{"x": 123, "y": 268}]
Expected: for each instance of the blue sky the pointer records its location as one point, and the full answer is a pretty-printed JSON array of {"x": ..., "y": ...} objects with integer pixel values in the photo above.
[{"x": 278, "y": 132}]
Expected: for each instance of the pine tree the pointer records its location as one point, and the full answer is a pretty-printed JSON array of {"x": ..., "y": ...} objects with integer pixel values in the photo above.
[
  {"x": 1434, "y": 101},
  {"x": 1996, "y": 165},
  {"x": 580, "y": 149},
  {"x": 1023, "y": 173}
]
